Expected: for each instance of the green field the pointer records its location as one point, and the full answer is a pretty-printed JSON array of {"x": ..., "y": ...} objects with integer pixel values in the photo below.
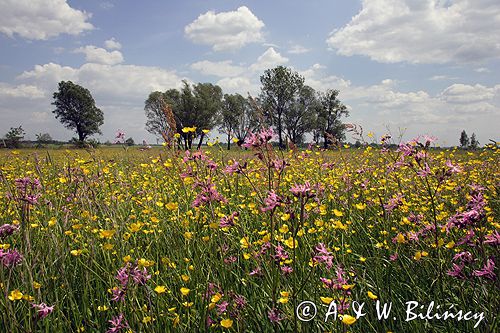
[{"x": 161, "y": 240}]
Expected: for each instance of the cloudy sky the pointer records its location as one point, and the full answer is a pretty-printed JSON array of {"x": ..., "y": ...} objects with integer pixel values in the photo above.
[{"x": 402, "y": 66}]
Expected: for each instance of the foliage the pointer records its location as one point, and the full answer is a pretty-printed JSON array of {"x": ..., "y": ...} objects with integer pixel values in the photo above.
[
  {"x": 76, "y": 110},
  {"x": 464, "y": 139},
  {"x": 300, "y": 118},
  {"x": 194, "y": 107},
  {"x": 14, "y": 136},
  {"x": 474, "y": 144},
  {"x": 328, "y": 118},
  {"x": 129, "y": 142},
  {"x": 235, "y": 117},
  {"x": 280, "y": 87}
]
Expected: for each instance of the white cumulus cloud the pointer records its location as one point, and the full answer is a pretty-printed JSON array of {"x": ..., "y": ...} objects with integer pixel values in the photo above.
[
  {"x": 424, "y": 31},
  {"x": 269, "y": 59},
  {"x": 112, "y": 44},
  {"x": 226, "y": 30},
  {"x": 99, "y": 55},
  {"x": 20, "y": 91},
  {"x": 41, "y": 19}
]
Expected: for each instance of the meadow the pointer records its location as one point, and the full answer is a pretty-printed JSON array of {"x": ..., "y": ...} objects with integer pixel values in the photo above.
[{"x": 159, "y": 240}]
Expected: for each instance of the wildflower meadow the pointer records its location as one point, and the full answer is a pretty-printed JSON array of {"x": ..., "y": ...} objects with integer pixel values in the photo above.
[{"x": 400, "y": 238}]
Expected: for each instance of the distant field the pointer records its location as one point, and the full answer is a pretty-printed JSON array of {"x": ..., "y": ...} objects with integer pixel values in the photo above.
[{"x": 159, "y": 240}]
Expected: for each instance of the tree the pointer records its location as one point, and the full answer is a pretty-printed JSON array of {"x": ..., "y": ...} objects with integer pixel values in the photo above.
[
  {"x": 279, "y": 89},
  {"x": 464, "y": 139},
  {"x": 232, "y": 111},
  {"x": 161, "y": 120},
  {"x": 129, "y": 142},
  {"x": 474, "y": 144},
  {"x": 43, "y": 138},
  {"x": 329, "y": 112},
  {"x": 76, "y": 110},
  {"x": 192, "y": 106},
  {"x": 299, "y": 119},
  {"x": 14, "y": 136}
]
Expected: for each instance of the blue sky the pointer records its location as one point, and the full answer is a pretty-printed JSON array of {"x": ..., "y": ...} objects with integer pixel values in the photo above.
[{"x": 403, "y": 66}]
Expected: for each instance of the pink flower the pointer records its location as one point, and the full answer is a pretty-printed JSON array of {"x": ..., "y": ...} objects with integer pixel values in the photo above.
[
  {"x": 260, "y": 139},
  {"x": 456, "y": 271},
  {"x": 493, "y": 239},
  {"x": 117, "y": 323},
  {"x": 488, "y": 270},
  {"x": 43, "y": 309},
  {"x": 274, "y": 315},
  {"x": 272, "y": 201},
  {"x": 228, "y": 221},
  {"x": 453, "y": 168},
  {"x": 10, "y": 258},
  {"x": 304, "y": 190},
  {"x": 323, "y": 255},
  {"x": 7, "y": 230}
]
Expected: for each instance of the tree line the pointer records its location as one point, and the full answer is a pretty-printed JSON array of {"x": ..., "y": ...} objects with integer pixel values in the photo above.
[
  {"x": 180, "y": 116},
  {"x": 285, "y": 103}
]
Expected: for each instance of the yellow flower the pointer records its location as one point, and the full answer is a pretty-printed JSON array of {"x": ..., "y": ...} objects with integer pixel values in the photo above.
[
  {"x": 285, "y": 217},
  {"x": 102, "y": 308},
  {"x": 75, "y": 252},
  {"x": 400, "y": 238},
  {"x": 291, "y": 243},
  {"x": 15, "y": 295},
  {"x": 185, "y": 277},
  {"x": 160, "y": 289},
  {"x": 284, "y": 229},
  {"x": 348, "y": 319},
  {"x": 244, "y": 243},
  {"x": 226, "y": 323},
  {"x": 185, "y": 291},
  {"x": 216, "y": 298},
  {"x": 372, "y": 295},
  {"x": 360, "y": 206},
  {"x": 36, "y": 285},
  {"x": 107, "y": 233},
  {"x": 326, "y": 300},
  {"x": 206, "y": 131},
  {"x": 172, "y": 206},
  {"x": 147, "y": 319},
  {"x": 337, "y": 213}
]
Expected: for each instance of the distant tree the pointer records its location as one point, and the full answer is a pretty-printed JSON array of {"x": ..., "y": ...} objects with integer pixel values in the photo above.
[
  {"x": 129, "y": 142},
  {"x": 474, "y": 144},
  {"x": 43, "y": 138},
  {"x": 192, "y": 106},
  {"x": 232, "y": 111},
  {"x": 280, "y": 87},
  {"x": 76, "y": 110},
  {"x": 464, "y": 139},
  {"x": 328, "y": 120},
  {"x": 300, "y": 117},
  {"x": 14, "y": 136},
  {"x": 161, "y": 120}
]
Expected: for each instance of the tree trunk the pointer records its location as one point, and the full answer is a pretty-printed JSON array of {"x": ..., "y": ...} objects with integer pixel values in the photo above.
[
  {"x": 325, "y": 143},
  {"x": 201, "y": 140},
  {"x": 280, "y": 130},
  {"x": 228, "y": 141}
]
